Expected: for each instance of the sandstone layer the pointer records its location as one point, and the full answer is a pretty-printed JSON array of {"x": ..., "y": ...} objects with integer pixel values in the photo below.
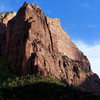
[{"x": 37, "y": 44}]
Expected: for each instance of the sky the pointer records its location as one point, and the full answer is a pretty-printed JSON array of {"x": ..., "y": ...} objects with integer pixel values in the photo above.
[{"x": 79, "y": 18}]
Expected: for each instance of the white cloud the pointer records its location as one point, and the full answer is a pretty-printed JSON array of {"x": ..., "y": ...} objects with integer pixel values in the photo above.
[
  {"x": 93, "y": 54},
  {"x": 2, "y": 8},
  {"x": 5, "y": 7},
  {"x": 35, "y": 1},
  {"x": 88, "y": 6},
  {"x": 92, "y": 26},
  {"x": 48, "y": 11}
]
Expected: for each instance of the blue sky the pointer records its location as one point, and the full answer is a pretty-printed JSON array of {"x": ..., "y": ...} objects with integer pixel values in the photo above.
[{"x": 79, "y": 18}]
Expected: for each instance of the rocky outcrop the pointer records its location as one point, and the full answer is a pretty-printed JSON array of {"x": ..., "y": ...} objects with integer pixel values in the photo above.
[
  {"x": 36, "y": 44},
  {"x": 4, "y": 18}
]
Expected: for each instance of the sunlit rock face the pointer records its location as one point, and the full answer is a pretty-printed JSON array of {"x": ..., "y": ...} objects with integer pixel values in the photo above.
[
  {"x": 5, "y": 17},
  {"x": 37, "y": 44}
]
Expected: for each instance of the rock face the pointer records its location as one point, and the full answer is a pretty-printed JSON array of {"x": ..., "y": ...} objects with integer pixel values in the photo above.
[
  {"x": 4, "y": 18},
  {"x": 36, "y": 44}
]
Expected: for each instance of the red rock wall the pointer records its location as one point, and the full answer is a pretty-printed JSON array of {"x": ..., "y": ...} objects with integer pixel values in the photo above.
[{"x": 36, "y": 44}]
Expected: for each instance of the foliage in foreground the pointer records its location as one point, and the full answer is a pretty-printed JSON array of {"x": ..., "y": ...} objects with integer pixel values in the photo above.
[
  {"x": 27, "y": 80},
  {"x": 32, "y": 87}
]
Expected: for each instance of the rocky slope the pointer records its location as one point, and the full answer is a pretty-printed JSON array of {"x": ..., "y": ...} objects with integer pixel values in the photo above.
[{"x": 36, "y": 44}]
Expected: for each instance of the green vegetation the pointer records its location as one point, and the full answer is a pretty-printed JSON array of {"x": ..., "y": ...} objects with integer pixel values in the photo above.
[
  {"x": 27, "y": 80},
  {"x": 86, "y": 70},
  {"x": 24, "y": 87},
  {"x": 4, "y": 72},
  {"x": 32, "y": 87}
]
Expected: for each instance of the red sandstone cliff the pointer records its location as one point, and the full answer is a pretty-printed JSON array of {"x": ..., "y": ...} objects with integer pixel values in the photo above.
[{"x": 37, "y": 44}]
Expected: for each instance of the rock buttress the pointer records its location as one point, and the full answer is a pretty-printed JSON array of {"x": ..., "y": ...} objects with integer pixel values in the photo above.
[{"x": 36, "y": 44}]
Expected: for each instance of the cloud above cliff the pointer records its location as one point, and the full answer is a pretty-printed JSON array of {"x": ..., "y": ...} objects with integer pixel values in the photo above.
[
  {"x": 2, "y": 8},
  {"x": 5, "y": 7},
  {"x": 88, "y": 6},
  {"x": 93, "y": 54}
]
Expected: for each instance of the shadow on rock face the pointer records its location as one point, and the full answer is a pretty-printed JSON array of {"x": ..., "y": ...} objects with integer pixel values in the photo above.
[
  {"x": 2, "y": 38},
  {"x": 91, "y": 84}
]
